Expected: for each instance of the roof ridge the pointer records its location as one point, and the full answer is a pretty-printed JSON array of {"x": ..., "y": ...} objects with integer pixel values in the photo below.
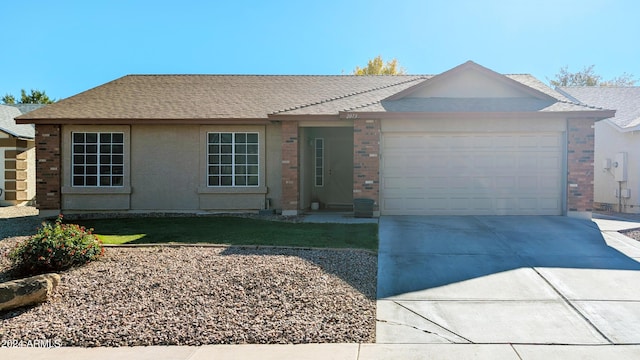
[
  {"x": 581, "y": 104},
  {"x": 276, "y": 75},
  {"x": 297, "y": 107},
  {"x": 577, "y": 101},
  {"x": 601, "y": 86}
]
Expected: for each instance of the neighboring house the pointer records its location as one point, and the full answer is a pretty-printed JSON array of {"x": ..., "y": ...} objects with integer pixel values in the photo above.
[
  {"x": 467, "y": 141},
  {"x": 17, "y": 157},
  {"x": 617, "y": 146}
]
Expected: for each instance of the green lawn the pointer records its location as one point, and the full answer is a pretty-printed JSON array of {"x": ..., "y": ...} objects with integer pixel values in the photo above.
[{"x": 232, "y": 231}]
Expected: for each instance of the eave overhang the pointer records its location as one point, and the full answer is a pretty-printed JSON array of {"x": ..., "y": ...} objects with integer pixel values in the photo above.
[
  {"x": 113, "y": 121},
  {"x": 587, "y": 115}
]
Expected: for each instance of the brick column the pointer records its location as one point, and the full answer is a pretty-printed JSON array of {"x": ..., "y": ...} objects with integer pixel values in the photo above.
[
  {"x": 48, "y": 167},
  {"x": 580, "y": 167},
  {"x": 290, "y": 167},
  {"x": 366, "y": 162}
]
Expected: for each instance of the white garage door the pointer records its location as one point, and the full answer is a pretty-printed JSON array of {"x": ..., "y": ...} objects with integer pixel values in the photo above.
[{"x": 471, "y": 174}]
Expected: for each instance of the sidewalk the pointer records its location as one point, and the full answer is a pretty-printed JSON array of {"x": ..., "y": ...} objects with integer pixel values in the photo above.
[{"x": 332, "y": 351}]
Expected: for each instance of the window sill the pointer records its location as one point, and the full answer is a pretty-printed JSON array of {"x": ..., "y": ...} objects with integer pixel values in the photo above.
[
  {"x": 232, "y": 190},
  {"x": 96, "y": 190}
]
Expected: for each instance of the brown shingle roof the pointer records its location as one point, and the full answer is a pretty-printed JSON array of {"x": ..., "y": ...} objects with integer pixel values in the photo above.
[
  {"x": 211, "y": 96},
  {"x": 261, "y": 97}
]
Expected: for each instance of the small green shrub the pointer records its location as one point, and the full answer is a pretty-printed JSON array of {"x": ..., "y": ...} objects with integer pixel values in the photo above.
[{"x": 56, "y": 247}]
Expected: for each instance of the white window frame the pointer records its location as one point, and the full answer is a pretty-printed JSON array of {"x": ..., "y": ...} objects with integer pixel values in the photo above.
[
  {"x": 99, "y": 164},
  {"x": 233, "y": 174},
  {"x": 319, "y": 162}
]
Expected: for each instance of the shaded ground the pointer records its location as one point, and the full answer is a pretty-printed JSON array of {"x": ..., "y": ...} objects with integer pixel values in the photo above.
[{"x": 506, "y": 279}]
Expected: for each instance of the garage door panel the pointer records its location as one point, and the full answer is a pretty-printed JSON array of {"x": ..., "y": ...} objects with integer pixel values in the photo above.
[
  {"x": 466, "y": 174},
  {"x": 437, "y": 182},
  {"x": 549, "y": 141},
  {"x": 550, "y": 162},
  {"x": 484, "y": 160},
  {"x": 549, "y": 203},
  {"x": 528, "y": 204},
  {"x": 506, "y": 162},
  {"x": 505, "y": 182},
  {"x": 439, "y": 203},
  {"x": 393, "y": 183},
  {"x": 414, "y": 204}
]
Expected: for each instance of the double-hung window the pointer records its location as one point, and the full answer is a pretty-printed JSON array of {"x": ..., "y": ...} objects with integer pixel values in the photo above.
[
  {"x": 97, "y": 159},
  {"x": 233, "y": 159}
]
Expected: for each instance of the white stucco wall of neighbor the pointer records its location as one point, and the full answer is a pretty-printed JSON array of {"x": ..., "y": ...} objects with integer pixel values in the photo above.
[{"x": 608, "y": 169}]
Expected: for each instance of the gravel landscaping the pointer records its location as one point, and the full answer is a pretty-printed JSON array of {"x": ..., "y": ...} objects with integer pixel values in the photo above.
[
  {"x": 200, "y": 295},
  {"x": 634, "y": 234}
]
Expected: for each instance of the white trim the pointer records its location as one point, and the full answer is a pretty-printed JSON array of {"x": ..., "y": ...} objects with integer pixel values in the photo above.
[
  {"x": 67, "y": 171},
  {"x": 233, "y": 164},
  {"x": 98, "y": 155}
]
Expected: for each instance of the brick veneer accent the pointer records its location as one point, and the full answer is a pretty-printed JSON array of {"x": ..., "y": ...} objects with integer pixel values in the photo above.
[
  {"x": 366, "y": 160},
  {"x": 48, "y": 167},
  {"x": 290, "y": 166},
  {"x": 580, "y": 162}
]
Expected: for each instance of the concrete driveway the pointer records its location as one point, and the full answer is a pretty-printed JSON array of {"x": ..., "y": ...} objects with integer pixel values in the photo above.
[{"x": 506, "y": 279}]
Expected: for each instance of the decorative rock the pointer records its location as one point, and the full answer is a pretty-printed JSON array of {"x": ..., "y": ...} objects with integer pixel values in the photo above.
[
  {"x": 28, "y": 291},
  {"x": 203, "y": 295}
]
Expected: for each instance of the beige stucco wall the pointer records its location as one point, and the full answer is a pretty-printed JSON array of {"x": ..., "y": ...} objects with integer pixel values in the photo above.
[
  {"x": 273, "y": 166},
  {"x": 165, "y": 170},
  {"x": 608, "y": 142},
  {"x": 31, "y": 171},
  {"x": 470, "y": 84},
  {"x": 164, "y": 163}
]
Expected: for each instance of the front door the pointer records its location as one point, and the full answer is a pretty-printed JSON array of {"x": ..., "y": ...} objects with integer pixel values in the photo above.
[
  {"x": 339, "y": 172},
  {"x": 330, "y": 167}
]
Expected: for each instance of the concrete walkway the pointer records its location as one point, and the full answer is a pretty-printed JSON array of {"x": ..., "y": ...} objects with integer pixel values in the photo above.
[
  {"x": 500, "y": 279},
  {"x": 337, "y": 218},
  {"x": 332, "y": 351}
]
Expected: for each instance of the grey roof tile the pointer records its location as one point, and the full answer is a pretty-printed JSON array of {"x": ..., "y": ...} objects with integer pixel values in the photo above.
[
  {"x": 8, "y": 124},
  {"x": 624, "y": 99}
]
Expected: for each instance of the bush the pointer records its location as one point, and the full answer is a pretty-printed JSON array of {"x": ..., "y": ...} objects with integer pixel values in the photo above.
[{"x": 56, "y": 247}]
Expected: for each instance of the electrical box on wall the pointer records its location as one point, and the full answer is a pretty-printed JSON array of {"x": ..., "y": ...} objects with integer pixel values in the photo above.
[
  {"x": 620, "y": 172},
  {"x": 606, "y": 164},
  {"x": 625, "y": 193}
]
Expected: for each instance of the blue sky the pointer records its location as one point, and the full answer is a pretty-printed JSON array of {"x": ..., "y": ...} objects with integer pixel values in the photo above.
[{"x": 65, "y": 47}]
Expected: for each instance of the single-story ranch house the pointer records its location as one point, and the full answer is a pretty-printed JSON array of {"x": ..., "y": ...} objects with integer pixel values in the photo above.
[{"x": 467, "y": 141}]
